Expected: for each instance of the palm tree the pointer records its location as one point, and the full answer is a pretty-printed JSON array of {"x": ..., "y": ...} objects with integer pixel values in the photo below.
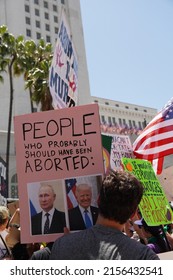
[
  {"x": 8, "y": 55},
  {"x": 38, "y": 76},
  {"x": 34, "y": 62},
  {"x": 25, "y": 62}
]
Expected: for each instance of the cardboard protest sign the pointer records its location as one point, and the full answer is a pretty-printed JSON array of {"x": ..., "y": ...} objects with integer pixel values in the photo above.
[
  {"x": 154, "y": 206},
  {"x": 121, "y": 147},
  {"x": 13, "y": 206},
  {"x": 52, "y": 146},
  {"x": 63, "y": 77}
]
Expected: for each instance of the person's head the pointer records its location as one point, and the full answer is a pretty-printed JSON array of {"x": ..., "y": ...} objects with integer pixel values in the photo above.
[
  {"x": 84, "y": 195},
  {"x": 46, "y": 197},
  {"x": 120, "y": 195},
  {"x": 149, "y": 231},
  {"x": 153, "y": 231},
  {"x": 4, "y": 217}
]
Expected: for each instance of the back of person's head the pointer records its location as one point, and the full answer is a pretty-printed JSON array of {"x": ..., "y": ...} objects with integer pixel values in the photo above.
[
  {"x": 119, "y": 196},
  {"x": 4, "y": 215}
]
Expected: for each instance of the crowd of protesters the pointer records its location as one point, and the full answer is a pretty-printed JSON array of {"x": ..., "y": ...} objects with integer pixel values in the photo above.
[{"x": 120, "y": 231}]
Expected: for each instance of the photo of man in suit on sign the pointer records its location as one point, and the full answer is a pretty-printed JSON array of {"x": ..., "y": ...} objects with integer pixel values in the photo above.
[
  {"x": 84, "y": 215},
  {"x": 49, "y": 220}
]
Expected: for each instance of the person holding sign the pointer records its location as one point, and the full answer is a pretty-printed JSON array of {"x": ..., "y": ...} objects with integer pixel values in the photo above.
[
  {"x": 49, "y": 220},
  {"x": 119, "y": 197},
  {"x": 154, "y": 235},
  {"x": 84, "y": 215}
]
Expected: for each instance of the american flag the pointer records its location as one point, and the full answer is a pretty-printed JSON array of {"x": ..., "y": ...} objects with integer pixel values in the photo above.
[
  {"x": 70, "y": 190},
  {"x": 156, "y": 140}
]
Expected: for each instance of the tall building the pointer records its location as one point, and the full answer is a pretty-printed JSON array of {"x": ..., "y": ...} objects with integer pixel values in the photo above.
[
  {"x": 35, "y": 19},
  {"x": 124, "y": 114}
]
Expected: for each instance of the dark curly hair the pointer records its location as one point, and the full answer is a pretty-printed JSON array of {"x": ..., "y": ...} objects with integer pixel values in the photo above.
[{"x": 120, "y": 195}]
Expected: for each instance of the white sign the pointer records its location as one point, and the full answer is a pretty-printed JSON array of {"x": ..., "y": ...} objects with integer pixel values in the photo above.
[{"x": 63, "y": 75}]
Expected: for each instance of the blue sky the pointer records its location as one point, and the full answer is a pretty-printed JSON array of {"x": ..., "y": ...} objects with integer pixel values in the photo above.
[{"x": 129, "y": 49}]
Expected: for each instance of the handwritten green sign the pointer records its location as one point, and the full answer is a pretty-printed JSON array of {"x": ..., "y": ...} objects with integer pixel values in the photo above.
[{"x": 154, "y": 205}]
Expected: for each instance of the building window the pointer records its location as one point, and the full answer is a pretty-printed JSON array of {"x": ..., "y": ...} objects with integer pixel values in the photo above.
[
  {"x": 27, "y": 20},
  {"x": 140, "y": 125},
  {"x": 38, "y": 35},
  {"x": 136, "y": 109},
  {"x": 113, "y": 120},
  {"x": 134, "y": 124},
  {"x": 54, "y": 8},
  {"x": 145, "y": 110},
  {"x": 46, "y": 15},
  {"x": 48, "y": 39},
  {"x": 36, "y": 2},
  {"x": 14, "y": 186},
  {"x": 124, "y": 122},
  {"x": 120, "y": 121},
  {"x": 63, "y": 2},
  {"x": 34, "y": 110},
  {"x": 55, "y": 19},
  {"x": 28, "y": 32},
  {"x": 56, "y": 30},
  {"x": 47, "y": 27},
  {"x": 27, "y": 9},
  {"x": 95, "y": 101},
  {"x": 107, "y": 103},
  {"x": 117, "y": 105},
  {"x": 130, "y": 123},
  {"x": 127, "y": 107},
  {"x": 103, "y": 119},
  {"x": 46, "y": 4},
  {"x": 37, "y": 12},
  {"x": 109, "y": 120},
  {"x": 37, "y": 23}
]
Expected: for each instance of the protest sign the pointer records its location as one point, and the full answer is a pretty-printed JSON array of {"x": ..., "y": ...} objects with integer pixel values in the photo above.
[
  {"x": 51, "y": 146},
  {"x": 121, "y": 147},
  {"x": 106, "y": 143},
  {"x": 154, "y": 206},
  {"x": 63, "y": 76}
]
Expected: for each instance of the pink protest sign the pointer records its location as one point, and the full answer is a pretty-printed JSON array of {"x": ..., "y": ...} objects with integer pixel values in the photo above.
[{"x": 52, "y": 146}]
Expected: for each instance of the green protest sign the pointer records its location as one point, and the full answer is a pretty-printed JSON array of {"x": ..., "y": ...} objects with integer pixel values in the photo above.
[{"x": 154, "y": 206}]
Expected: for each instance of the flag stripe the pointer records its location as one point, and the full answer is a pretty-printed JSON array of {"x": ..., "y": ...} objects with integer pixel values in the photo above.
[
  {"x": 152, "y": 131},
  {"x": 158, "y": 165},
  {"x": 70, "y": 190},
  {"x": 156, "y": 140}
]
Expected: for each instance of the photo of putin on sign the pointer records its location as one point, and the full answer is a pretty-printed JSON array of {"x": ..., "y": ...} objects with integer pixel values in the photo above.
[{"x": 49, "y": 220}]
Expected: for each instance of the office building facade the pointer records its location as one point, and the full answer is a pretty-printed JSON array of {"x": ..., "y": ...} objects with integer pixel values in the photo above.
[{"x": 35, "y": 19}]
